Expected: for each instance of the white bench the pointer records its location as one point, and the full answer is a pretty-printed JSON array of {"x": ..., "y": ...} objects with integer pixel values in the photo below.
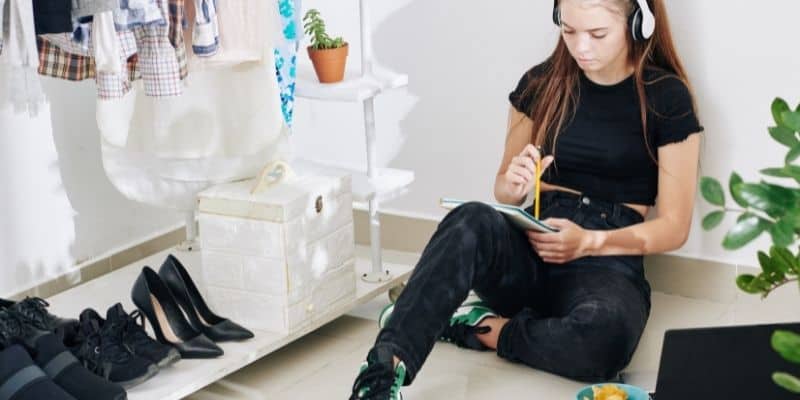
[{"x": 189, "y": 376}]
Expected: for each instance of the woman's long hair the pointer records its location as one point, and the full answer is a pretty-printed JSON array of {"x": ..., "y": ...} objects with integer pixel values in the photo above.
[{"x": 560, "y": 78}]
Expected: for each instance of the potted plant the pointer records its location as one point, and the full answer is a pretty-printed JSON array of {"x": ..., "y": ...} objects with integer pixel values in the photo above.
[
  {"x": 767, "y": 207},
  {"x": 329, "y": 56}
]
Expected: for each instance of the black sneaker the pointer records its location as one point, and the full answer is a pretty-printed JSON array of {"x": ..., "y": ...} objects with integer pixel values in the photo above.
[
  {"x": 33, "y": 311},
  {"x": 14, "y": 329},
  {"x": 66, "y": 371},
  {"x": 102, "y": 352},
  {"x": 378, "y": 378},
  {"x": 134, "y": 337},
  {"x": 21, "y": 379}
]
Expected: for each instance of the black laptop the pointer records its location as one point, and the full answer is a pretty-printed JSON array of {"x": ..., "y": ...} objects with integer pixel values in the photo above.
[{"x": 726, "y": 363}]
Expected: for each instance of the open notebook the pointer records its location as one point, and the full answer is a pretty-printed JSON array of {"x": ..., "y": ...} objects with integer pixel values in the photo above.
[{"x": 518, "y": 215}]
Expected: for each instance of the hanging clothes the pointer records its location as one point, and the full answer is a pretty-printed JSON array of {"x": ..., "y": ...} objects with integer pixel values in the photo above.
[
  {"x": 133, "y": 13},
  {"x": 20, "y": 58},
  {"x": 61, "y": 58},
  {"x": 244, "y": 36},
  {"x": 286, "y": 56},
  {"x": 158, "y": 63},
  {"x": 107, "y": 50},
  {"x": 205, "y": 36},
  {"x": 87, "y": 8},
  {"x": 57, "y": 63},
  {"x": 52, "y": 16},
  {"x": 82, "y": 32}
]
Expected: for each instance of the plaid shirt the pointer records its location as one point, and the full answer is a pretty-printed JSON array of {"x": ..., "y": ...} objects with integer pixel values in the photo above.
[
  {"x": 68, "y": 63},
  {"x": 133, "y": 13}
]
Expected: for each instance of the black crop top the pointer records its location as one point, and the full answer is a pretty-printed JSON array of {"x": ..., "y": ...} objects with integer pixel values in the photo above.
[{"x": 601, "y": 150}]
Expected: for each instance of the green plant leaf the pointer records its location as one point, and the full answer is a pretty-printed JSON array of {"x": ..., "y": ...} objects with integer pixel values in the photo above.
[
  {"x": 713, "y": 219},
  {"x": 743, "y": 282},
  {"x": 791, "y": 120},
  {"x": 786, "y": 381},
  {"x": 772, "y": 199},
  {"x": 784, "y": 136},
  {"x": 779, "y": 106},
  {"x": 712, "y": 191},
  {"x": 744, "y": 232},
  {"x": 768, "y": 265},
  {"x": 788, "y": 171},
  {"x": 734, "y": 180},
  {"x": 775, "y": 172},
  {"x": 772, "y": 271},
  {"x": 792, "y": 154},
  {"x": 787, "y": 344},
  {"x": 744, "y": 215},
  {"x": 782, "y": 232},
  {"x": 783, "y": 259}
]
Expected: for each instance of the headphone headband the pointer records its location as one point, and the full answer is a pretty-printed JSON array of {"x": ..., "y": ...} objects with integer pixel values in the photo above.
[{"x": 642, "y": 21}]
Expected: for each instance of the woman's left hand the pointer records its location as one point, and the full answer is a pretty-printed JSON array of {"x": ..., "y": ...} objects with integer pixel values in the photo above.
[{"x": 569, "y": 243}]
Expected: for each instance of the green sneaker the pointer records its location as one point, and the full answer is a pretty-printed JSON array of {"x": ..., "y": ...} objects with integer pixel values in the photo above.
[
  {"x": 463, "y": 324},
  {"x": 464, "y": 327},
  {"x": 377, "y": 379},
  {"x": 383, "y": 319}
]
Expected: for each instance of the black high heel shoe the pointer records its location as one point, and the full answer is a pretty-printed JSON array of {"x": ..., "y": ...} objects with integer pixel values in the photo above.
[
  {"x": 152, "y": 296},
  {"x": 200, "y": 315}
]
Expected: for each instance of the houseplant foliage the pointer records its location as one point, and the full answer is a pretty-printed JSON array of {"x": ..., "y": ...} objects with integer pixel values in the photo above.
[
  {"x": 329, "y": 55},
  {"x": 772, "y": 208}
]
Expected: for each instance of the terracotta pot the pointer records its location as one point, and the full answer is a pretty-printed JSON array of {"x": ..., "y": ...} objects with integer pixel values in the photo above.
[{"x": 329, "y": 64}]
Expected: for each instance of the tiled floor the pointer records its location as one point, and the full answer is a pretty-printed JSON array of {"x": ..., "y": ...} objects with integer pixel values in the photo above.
[{"x": 323, "y": 364}]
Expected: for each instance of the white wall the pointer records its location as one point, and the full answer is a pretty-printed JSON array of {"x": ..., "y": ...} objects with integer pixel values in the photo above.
[
  {"x": 57, "y": 208},
  {"x": 462, "y": 58}
]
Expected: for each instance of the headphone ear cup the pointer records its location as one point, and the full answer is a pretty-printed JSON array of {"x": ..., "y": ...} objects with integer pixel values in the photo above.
[
  {"x": 556, "y": 16},
  {"x": 635, "y": 23}
]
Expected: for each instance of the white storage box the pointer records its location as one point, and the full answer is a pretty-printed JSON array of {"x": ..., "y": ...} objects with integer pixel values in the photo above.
[{"x": 275, "y": 259}]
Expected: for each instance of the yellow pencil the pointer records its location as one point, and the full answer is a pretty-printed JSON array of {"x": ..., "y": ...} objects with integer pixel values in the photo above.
[{"x": 537, "y": 188}]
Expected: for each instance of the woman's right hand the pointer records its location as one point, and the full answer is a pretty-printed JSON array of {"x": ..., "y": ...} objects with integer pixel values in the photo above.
[{"x": 521, "y": 172}]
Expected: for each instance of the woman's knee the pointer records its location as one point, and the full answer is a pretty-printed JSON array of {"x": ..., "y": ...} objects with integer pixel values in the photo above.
[
  {"x": 606, "y": 338},
  {"x": 473, "y": 216}
]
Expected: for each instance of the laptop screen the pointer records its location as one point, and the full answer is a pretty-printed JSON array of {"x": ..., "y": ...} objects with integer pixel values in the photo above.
[{"x": 727, "y": 363}]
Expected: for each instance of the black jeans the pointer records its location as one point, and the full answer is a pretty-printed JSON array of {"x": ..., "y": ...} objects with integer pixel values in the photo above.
[{"x": 581, "y": 320}]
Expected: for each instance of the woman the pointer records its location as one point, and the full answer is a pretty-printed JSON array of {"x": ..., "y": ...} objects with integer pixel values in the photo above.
[{"x": 613, "y": 113}]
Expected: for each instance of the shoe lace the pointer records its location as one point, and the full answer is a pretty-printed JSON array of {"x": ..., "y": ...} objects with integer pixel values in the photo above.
[
  {"x": 464, "y": 335},
  {"x": 11, "y": 326},
  {"x": 133, "y": 329},
  {"x": 378, "y": 380},
  {"x": 107, "y": 344},
  {"x": 33, "y": 309}
]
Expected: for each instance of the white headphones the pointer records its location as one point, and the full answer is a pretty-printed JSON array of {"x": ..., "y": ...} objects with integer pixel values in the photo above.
[{"x": 642, "y": 21}]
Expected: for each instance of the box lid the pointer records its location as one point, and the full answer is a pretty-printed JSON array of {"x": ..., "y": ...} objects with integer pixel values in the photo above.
[{"x": 280, "y": 202}]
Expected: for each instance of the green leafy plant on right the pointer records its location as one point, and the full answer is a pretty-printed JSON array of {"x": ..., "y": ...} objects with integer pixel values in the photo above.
[
  {"x": 314, "y": 27},
  {"x": 772, "y": 208}
]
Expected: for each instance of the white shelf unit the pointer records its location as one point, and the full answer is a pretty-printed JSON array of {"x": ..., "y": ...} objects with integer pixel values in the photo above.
[
  {"x": 189, "y": 376},
  {"x": 371, "y": 185}
]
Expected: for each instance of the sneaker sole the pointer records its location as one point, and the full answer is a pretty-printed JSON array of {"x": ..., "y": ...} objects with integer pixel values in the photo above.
[
  {"x": 172, "y": 357},
  {"x": 151, "y": 372}
]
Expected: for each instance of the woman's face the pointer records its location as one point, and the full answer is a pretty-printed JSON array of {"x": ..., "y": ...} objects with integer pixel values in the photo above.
[{"x": 595, "y": 33}]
